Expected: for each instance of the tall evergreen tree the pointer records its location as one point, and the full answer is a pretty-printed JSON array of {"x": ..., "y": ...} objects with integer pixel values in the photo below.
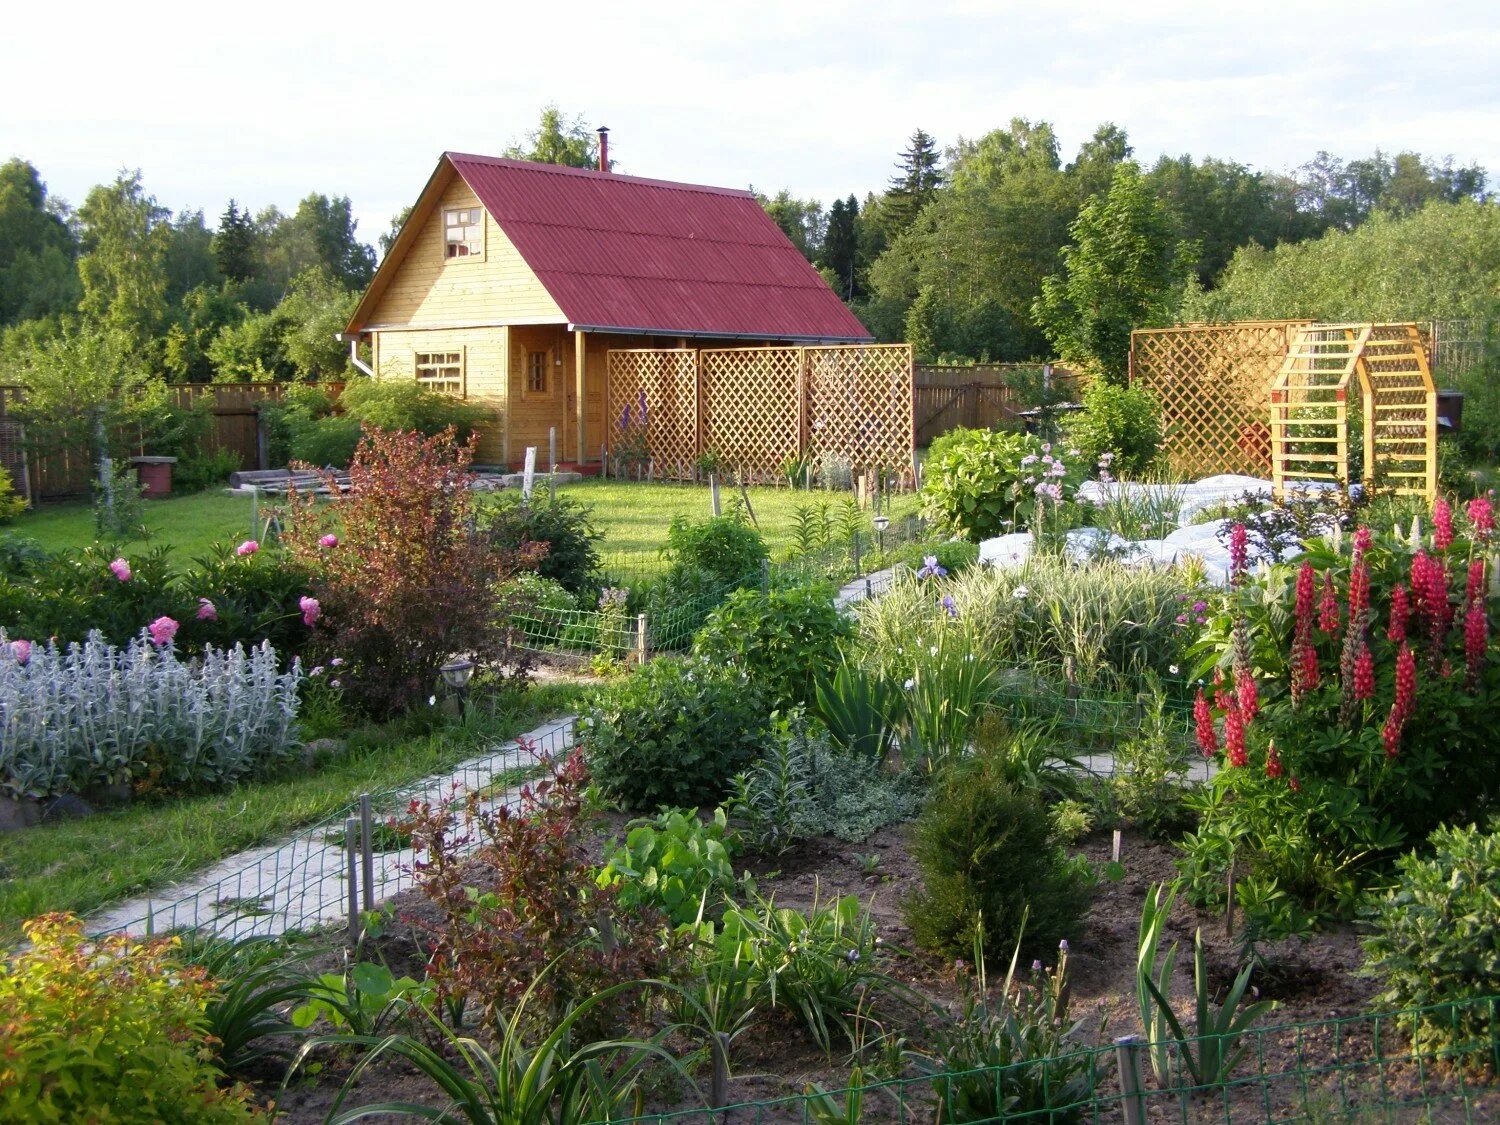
[
  {"x": 915, "y": 182},
  {"x": 234, "y": 244},
  {"x": 841, "y": 245}
]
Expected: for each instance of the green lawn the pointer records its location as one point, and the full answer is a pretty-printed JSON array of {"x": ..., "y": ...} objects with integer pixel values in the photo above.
[
  {"x": 80, "y": 865},
  {"x": 633, "y": 517}
]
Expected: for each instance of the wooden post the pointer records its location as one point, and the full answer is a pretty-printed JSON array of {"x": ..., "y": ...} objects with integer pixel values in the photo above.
[
  {"x": 506, "y": 343},
  {"x": 366, "y": 852},
  {"x": 1128, "y": 1055},
  {"x": 351, "y": 871},
  {"x": 580, "y": 382},
  {"x": 713, "y": 496},
  {"x": 552, "y": 449},
  {"x": 642, "y": 649}
]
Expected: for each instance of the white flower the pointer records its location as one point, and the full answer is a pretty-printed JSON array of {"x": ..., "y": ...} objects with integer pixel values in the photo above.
[
  {"x": 1020, "y": 593},
  {"x": 1172, "y": 668},
  {"x": 909, "y": 684},
  {"x": 432, "y": 701},
  {"x": 932, "y": 651}
]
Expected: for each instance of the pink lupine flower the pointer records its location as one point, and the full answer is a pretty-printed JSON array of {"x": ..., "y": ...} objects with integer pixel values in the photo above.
[
  {"x": 21, "y": 650},
  {"x": 247, "y": 548},
  {"x": 1476, "y": 627},
  {"x": 1362, "y": 539},
  {"x": 1406, "y": 683},
  {"x": 1481, "y": 514},
  {"x": 311, "y": 610},
  {"x": 1273, "y": 762},
  {"x": 329, "y": 541},
  {"x": 1364, "y": 675},
  {"x": 1400, "y": 614},
  {"x": 120, "y": 569},
  {"x": 1359, "y": 588},
  {"x": 1442, "y": 524},
  {"x": 1239, "y": 553},
  {"x": 1208, "y": 739},
  {"x": 1234, "y": 737},
  {"x": 207, "y": 610},
  {"x": 162, "y": 630},
  {"x": 1247, "y": 693},
  {"x": 1328, "y": 608}
]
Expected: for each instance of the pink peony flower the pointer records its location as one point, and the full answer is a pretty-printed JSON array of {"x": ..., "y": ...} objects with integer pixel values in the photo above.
[
  {"x": 329, "y": 541},
  {"x": 248, "y": 547},
  {"x": 120, "y": 569},
  {"x": 21, "y": 650},
  {"x": 311, "y": 610},
  {"x": 162, "y": 630},
  {"x": 206, "y": 610}
]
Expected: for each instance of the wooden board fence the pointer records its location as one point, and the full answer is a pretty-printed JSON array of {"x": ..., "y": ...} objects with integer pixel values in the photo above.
[
  {"x": 979, "y": 396},
  {"x": 756, "y": 409}
]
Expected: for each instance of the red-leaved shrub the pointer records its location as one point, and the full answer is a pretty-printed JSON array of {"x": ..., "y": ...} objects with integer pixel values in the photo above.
[{"x": 401, "y": 582}]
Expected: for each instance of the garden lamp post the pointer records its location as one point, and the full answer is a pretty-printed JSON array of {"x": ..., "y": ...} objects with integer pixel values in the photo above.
[
  {"x": 456, "y": 674},
  {"x": 881, "y": 523}
]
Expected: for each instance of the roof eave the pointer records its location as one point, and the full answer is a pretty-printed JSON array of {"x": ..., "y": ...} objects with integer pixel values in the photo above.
[{"x": 636, "y": 330}]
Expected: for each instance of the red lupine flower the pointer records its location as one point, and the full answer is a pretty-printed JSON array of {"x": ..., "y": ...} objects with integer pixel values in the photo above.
[
  {"x": 1234, "y": 737},
  {"x": 1328, "y": 608},
  {"x": 1273, "y": 762},
  {"x": 1400, "y": 614},
  {"x": 1435, "y": 603},
  {"x": 1406, "y": 683},
  {"x": 1481, "y": 514},
  {"x": 1362, "y": 539},
  {"x": 1307, "y": 664},
  {"x": 1475, "y": 587},
  {"x": 1390, "y": 734},
  {"x": 1364, "y": 675},
  {"x": 1476, "y": 626},
  {"x": 1359, "y": 588},
  {"x": 1295, "y": 784},
  {"x": 1442, "y": 524},
  {"x": 1247, "y": 694},
  {"x": 1306, "y": 591},
  {"x": 1239, "y": 554},
  {"x": 1419, "y": 583},
  {"x": 1208, "y": 739}
]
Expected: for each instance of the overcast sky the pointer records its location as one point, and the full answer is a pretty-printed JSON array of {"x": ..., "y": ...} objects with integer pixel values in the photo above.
[{"x": 267, "y": 102}]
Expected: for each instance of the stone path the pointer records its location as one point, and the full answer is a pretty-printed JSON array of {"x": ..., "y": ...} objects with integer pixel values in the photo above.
[
  {"x": 301, "y": 882},
  {"x": 866, "y": 586}
]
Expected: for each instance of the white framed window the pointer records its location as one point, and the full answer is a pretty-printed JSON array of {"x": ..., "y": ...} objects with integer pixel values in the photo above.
[
  {"x": 536, "y": 373},
  {"x": 441, "y": 371},
  {"x": 463, "y": 232}
]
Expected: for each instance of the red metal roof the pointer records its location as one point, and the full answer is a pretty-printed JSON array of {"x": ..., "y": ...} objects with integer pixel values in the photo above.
[{"x": 631, "y": 254}]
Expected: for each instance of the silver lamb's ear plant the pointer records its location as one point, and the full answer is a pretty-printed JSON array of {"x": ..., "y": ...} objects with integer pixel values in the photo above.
[{"x": 91, "y": 714}]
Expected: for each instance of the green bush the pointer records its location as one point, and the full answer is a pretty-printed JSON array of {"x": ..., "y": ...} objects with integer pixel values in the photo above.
[
  {"x": 1120, "y": 420},
  {"x": 325, "y": 442},
  {"x": 389, "y": 404},
  {"x": 11, "y": 503},
  {"x": 731, "y": 553},
  {"x": 1434, "y": 941},
  {"x": 990, "y": 858},
  {"x": 785, "y": 639},
  {"x": 198, "y": 470},
  {"x": 674, "y": 734},
  {"x": 984, "y": 483},
  {"x": 674, "y": 863},
  {"x": 107, "y": 1029},
  {"x": 953, "y": 555},
  {"x": 564, "y": 525}
]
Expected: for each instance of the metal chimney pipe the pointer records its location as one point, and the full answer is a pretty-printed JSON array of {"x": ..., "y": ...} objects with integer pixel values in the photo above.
[{"x": 604, "y": 148}]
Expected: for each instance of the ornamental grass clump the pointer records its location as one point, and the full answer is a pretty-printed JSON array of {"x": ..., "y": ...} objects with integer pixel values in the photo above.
[
  {"x": 1376, "y": 697},
  {"x": 86, "y": 715}
]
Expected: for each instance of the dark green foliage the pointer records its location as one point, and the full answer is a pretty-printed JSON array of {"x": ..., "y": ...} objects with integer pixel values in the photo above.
[
  {"x": 989, "y": 855},
  {"x": 953, "y": 555},
  {"x": 785, "y": 639},
  {"x": 977, "y": 486},
  {"x": 564, "y": 525},
  {"x": 234, "y": 244},
  {"x": 727, "y": 551},
  {"x": 394, "y": 405},
  {"x": 674, "y": 734},
  {"x": 674, "y": 863},
  {"x": 1436, "y": 937},
  {"x": 1119, "y": 420}
]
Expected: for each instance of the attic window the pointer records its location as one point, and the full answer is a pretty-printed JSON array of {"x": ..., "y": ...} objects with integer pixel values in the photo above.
[
  {"x": 463, "y": 233},
  {"x": 441, "y": 371}
]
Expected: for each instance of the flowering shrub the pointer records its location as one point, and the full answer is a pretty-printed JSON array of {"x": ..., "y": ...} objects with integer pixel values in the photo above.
[
  {"x": 1355, "y": 697},
  {"x": 989, "y": 482},
  {"x": 675, "y": 733},
  {"x": 92, "y": 714},
  {"x": 107, "y": 1029},
  {"x": 785, "y": 639},
  {"x": 1122, "y": 422},
  {"x": 409, "y": 585},
  {"x": 514, "y": 894}
]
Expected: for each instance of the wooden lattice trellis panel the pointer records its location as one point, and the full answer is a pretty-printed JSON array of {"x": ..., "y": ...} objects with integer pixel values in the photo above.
[
  {"x": 1310, "y": 405},
  {"x": 666, "y": 381},
  {"x": 1211, "y": 382},
  {"x": 752, "y": 404},
  {"x": 859, "y": 405},
  {"x": 1400, "y": 402}
]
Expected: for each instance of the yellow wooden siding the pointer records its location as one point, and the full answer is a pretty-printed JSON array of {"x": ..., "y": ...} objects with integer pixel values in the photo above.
[
  {"x": 533, "y": 414},
  {"x": 484, "y": 372},
  {"x": 428, "y": 288}
]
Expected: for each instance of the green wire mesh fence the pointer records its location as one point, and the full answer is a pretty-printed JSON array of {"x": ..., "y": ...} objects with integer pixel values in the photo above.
[
  {"x": 332, "y": 870},
  {"x": 1365, "y": 1068}
]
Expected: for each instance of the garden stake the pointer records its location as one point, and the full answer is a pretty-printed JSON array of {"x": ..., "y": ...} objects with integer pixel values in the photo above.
[
  {"x": 604, "y": 461},
  {"x": 640, "y": 638},
  {"x": 351, "y": 857},
  {"x": 552, "y": 449},
  {"x": 765, "y": 575},
  {"x": 713, "y": 495},
  {"x": 719, "y": 1094},
  {"x": 1128, "y": 1056},
  {"x": 1229, "y": 901},
  {"x": 367, "y": 853},
  {"x": 854, "y": 547},
  {"x": 1115, "y": 847}
]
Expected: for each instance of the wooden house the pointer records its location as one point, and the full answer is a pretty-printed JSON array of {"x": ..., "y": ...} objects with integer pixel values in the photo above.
[{"x": 511, "y": 282}]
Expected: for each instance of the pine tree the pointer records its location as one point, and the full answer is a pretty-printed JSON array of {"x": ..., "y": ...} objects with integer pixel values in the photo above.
[
  {"x": 915, "y": 182},
  {"x": 841, "y": 244},
  {"x": 234, "y": 244}
]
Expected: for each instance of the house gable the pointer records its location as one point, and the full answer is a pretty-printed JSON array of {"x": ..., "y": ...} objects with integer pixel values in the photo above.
[{"x": 417, "y": 285}]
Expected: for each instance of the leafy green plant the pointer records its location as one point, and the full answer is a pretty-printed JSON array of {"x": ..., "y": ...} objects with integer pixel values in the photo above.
[
  {"x": 365, "y": 999},
  {"x": 1013, "y": 1053},
  {"x": 783, "y": 638},
  {"x": 1432, "y": 940},
  {"x": 12, "y": 504},
  {"x": 947, "y": 694},
  {"x": 860, "y": 709},
  {"x": 402, "y": 405},
  {"x": 730, "y": 551},
  {"x": 1124, "y": 421},
  {"x": 718, "y": 989},
  {"x": 674, "y": 734},
  {"x": 674, "y": 862},
  {"x": 566, "y": 527},
  {"x": 522, "y": 1078},
  {"x": 976, "y": 485},
  {"x": 108, "y": 1028},
  {"x": 1148, "y": 785},
  {"x": 1213, "y": 1050},
  {"x": 988, "y": 850},
  {"x": 825, "y": 1108}
]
